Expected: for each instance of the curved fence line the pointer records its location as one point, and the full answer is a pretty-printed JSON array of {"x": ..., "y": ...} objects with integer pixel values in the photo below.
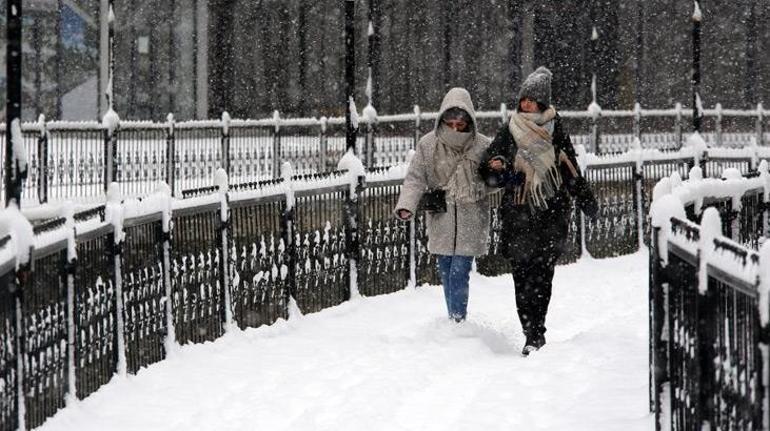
[
  {"x": 77, "y": 160},
  {"x": 709, "y": 308},
  {"x": 113, "y": 289}
]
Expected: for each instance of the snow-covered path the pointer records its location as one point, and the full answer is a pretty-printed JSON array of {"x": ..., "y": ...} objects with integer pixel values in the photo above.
[{"x": 394, "y": 363}]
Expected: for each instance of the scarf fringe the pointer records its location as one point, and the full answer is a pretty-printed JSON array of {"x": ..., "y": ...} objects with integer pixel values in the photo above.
[{"x": 538, "y": 194}]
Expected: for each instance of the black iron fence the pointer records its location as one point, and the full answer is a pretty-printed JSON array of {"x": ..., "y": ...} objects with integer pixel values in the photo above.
[
  {"x": 708, "y": 339},
  {"x": 112, "y": 289},
  {"x": 69, "y": 161}
]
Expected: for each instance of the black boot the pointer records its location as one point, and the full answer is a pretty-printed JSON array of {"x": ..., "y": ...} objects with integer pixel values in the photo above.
[{"x": 532, "y": 344}]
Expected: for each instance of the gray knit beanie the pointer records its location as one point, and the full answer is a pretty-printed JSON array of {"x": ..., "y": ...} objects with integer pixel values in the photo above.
[{"x": 537, "y": 87}]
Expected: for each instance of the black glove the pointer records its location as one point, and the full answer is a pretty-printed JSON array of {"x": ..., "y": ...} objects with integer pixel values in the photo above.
[{"x": 584, "y": 197}]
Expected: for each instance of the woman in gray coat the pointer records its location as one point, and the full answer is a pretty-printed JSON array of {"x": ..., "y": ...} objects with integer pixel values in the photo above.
[{"x": 447, "y": 160}]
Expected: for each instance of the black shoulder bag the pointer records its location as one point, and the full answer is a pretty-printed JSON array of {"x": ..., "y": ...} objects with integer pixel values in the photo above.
[{"x": 434, "y": 200}]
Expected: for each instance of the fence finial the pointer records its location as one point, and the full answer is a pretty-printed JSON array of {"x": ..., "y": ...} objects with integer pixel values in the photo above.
[
  {"x": 226, "y": 123},
  {"x": 111, "y": 121},
  {"x": 698, "y": 145},
  {"x": 324, "y": 123},
  {"x": 351, "y": 163},
  {"x": 277, "y": 120},
  {"x": 696, "y": 173},
  {"x": 19, "y": 149},
  {"x": 370, "y": 114},
  {"x": 676, "y": 180},
  {"x": 220, "y": 180},
  {"x": 353, "y": 113},
  {"x": 697, "y": 14},
  {"x": 662, "y": 188},
  {"x": 286, "y": 170},
  {"x": 170, "y": 123}
]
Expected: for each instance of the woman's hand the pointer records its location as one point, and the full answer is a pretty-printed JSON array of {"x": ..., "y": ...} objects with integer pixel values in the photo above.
[
  {"x": 497, "y": 164},
  {"x": 404, "y": 214},
  {"x": 564, "y": 160}
]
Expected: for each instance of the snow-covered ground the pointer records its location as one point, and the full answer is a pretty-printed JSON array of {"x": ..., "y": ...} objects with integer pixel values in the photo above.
[{"x": 395, "y": 363}]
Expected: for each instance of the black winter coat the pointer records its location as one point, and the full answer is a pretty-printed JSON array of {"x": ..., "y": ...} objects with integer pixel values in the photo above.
[{"x": 526, "y": 233}]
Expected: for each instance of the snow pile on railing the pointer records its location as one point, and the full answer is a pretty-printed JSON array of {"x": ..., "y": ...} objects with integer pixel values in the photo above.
[
  {"x": 65, "y": 232},
  {"x": 638, "y": 154},
  {"x": 13, "y": 223},
  {"x": 732, "y": 185},
  {"x": 696, "y": 150},
  {"x": 671, "y": 195},
  {"x": 54, "y": 210},
  {"x": 705, "y": 242},
  {"x": 157, "y": 202},
  {"x": 369, "y": 116}
]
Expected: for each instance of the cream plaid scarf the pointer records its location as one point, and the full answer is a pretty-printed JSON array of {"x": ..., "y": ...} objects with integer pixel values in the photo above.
[{"x": 536, "y": 158}]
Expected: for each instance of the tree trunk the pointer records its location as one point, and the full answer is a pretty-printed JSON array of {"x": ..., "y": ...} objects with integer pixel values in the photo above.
[{"x": 221, "y": 62}]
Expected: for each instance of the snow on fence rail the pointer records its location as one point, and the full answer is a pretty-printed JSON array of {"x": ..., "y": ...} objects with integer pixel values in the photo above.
[
  {"x": 117, "y": 287},
  {"x": 709, "y": 304},
  {"x": 68, "y": 159}
]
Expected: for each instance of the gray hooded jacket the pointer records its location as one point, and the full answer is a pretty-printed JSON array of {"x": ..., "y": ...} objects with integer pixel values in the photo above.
[{"x": 464, "y": 229}]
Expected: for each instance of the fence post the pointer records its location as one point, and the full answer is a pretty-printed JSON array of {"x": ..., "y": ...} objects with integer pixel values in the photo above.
[
  {"x": 638, "y": 122},
  {"x": 351, "y": 232},
  {"x": 69, "y": 271},
  {"x": 287, "y": 236},
  {"x": 638, "y": 198},
  {"x": 15, "y": 285},
  {"x": 583, "y": 241},
  {"x": 596, "y": 111},
  {"x": 221, "y": 181},
  {"x": 226, "y": 142},
  {"x": 760, "y": 126},
  {"x": 369, "y": 144},
  {"x": 323, "y": 145},
  {"x": 678, "y": 125},
  {"x": 113, "y": 214},
  {"x": 110, "y": 124},
  {"x": 503, "y": 114},
  {"x": 764, "y": 173},
  {"x": 413, "y": 252},
  {"x": 370, "y": 116},
  {"x": 171, "y": 154},
  {"x": 277, "y": 145},
  {"x": 764, "y": 332},
  {"x": 657, "y": 304},
  {"x": 706, "y": 308},
  {"x": 169, "y": 343},
  {"x": 416, "y": 126},
  {"x": 718, "y": 126},
  {"x": 42, "y": 166},
  {"x": 733, "y": 217}
]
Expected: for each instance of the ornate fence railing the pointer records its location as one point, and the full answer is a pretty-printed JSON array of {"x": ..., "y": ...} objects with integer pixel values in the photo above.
[
  {"x": 709, "y": 303},
  {"x": 69, "y": 161},
  {"x": 115, "y": 288}
]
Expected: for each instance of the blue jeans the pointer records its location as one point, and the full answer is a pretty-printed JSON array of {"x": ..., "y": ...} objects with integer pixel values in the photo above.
[{"x": 455, "y": 273}]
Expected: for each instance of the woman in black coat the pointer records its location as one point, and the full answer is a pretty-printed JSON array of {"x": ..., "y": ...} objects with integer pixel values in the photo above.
[{"x": 533, "y": 159}]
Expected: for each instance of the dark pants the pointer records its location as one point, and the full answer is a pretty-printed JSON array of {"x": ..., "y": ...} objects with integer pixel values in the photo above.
[{"x": 532, "y": 280}]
